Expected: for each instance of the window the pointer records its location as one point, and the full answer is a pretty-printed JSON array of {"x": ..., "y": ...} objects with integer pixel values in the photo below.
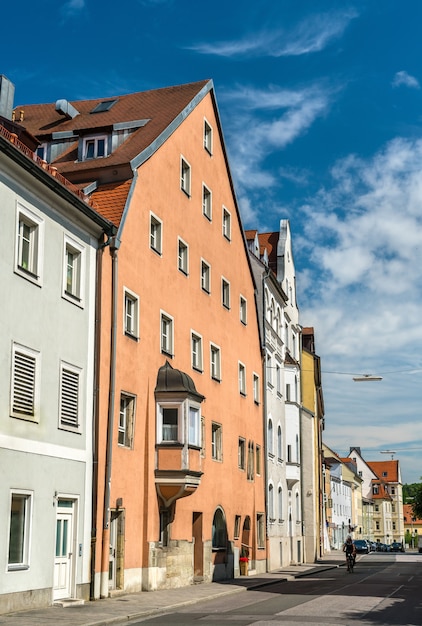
[
  {"x": 207, "y": 137},
  {"x": 194, "y": 426},
  {"x": 28, "y": 261},
  {"x": 289, "y": 453},
  {"x": 260, "y": 530},
  {"x": 241, "y": 453},
  {"x": 288, "y": 392},
  {"x": 377, "y": 525},
  {"x": 258, "y": 459},
  {"x": 375, "y": 489},
  {"x": 251, "y": 461},
  {"x": 19, "y": 531},
  {"x": 227, "y": 224},
  {"x": 243, "y": 310},
  {"x": 215, "y": 357},
  {"x": 185, "y": 176},
  {"x": 219, "y": 531},
  {"x": 206, "y": 202},
  {"x": 183, "y": 257},
  {"x": 225, "y": 293},
  {"x": 237, "y": 519},
  {"x": 242, "y": 379},
  {"x": 256, "y": 394},
  {"x": 156, "y": 234},
  {"x": 126, "y": 420},
  {"x": 205, "y": 277},
  {"x": 278, "y": 379},
  {"x": 196, "y": 344},
  {"x": 69, "y": 396},
  {"x": 41, "y": 151},
  {"x": 166, "y": 334},
  {"x": 271, "y": 502},
  {"x": 279, "y": 444},
  {"x": 297, "y": 449},
  {"x": 393, "y": 491},
  {"x": 270, "y": 438},
  {"x": 72, "y": 270},
  {"x": 94, "y": 147},
  {"x": 131, "y": 314},
  {"x": 280, "y": 504},
  {"x": 25, "y": 383},
  {"x": 216, "y": 441},
  {"x": 168, "y": 423},
  {"x": 297, "y": 500}
]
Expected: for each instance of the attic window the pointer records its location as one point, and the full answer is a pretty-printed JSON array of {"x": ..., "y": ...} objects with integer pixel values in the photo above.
[
  {"x": 104, "y": 106},
  {"x": 94, "y": 147}
]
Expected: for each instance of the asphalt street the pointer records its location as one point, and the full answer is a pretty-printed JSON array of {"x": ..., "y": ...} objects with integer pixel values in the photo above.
[{"x": 384, "y": 589}]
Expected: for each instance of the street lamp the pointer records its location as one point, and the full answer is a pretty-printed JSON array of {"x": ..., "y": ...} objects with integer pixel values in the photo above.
[{"x": 366, "y": 377}]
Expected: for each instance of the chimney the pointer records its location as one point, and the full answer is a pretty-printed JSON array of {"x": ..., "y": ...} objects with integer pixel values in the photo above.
[{"x": 7, "y": 93}]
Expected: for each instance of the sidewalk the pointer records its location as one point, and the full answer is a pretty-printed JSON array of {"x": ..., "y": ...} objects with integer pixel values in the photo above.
[{"x": 120, "y": 609}]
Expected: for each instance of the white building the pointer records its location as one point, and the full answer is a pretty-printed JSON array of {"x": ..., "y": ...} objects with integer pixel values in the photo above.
[
  {"x": 273, "y": 267},
  {"x": 48, "y": 246}
]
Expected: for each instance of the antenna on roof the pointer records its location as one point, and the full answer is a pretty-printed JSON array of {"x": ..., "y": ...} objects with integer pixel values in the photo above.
[{"x": 392, "y": 452}]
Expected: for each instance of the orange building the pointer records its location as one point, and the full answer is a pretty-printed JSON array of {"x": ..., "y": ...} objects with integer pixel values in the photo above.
[{"x": 179, "y": 462}]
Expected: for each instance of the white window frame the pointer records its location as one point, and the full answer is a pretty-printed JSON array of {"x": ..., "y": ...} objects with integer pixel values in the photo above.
[
  {"x": 242, "y": 378},
  {"x": 196, "y": 351},
  {"x": 94, "y": 140},
  {"x": 216, "y": 441},
  {"x": 243, "y": 310},
  {"x": 227, "y": 224},
  {"x": 167, "y": 338},
  {"x": 155, "y": 234},
  {"x": 71, "y": 246},
  {"x": 225, "y": 293},
  {"x": 256, "y": 388},
  {"x": 205, "y": 276},
  {"x": 182, "y": 256},
  {"x": 206, "y": 202},
  {"x": 34, "y": 271},
  {"x": 19, "y": 382},
  {"x": 185, "y": 176},
  {"x": 160, "y": 432},
  {"x": 130, "y": 317},
  {"x": 126, "y": 426},
  {"x": 215, "y": 362},
  {"x": 194, "y": 430},
  {"x": 26, "y": 529},
  {"x": 241, "y": 453},
  {"x": 208, "y": 136},
  {"x": 68, "y": 403}
]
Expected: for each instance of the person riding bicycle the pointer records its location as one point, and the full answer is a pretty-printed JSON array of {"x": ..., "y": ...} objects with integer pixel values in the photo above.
[{"x": 349, "y": 548}]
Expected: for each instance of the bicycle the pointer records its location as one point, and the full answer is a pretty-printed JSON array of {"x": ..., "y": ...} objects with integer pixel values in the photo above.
[{"x": 350, "y": 562}]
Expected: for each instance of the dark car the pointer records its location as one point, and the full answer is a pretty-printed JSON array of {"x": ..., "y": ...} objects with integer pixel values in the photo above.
[
  {"x": 361, "y": 545},
  {"x": 381, "y": 547},
  {"x": 396, "y": 546}
]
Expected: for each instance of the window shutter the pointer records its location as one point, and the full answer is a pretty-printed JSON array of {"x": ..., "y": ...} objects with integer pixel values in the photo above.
[
  {"x": 24, "y": 384},
  {"x": 69, "y": 408}
]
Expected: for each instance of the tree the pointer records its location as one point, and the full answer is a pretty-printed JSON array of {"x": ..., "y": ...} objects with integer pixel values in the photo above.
[{"x": 417, "y": 502}]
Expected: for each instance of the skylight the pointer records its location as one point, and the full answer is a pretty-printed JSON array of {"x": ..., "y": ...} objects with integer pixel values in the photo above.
[{"x": 105, "y": 105}]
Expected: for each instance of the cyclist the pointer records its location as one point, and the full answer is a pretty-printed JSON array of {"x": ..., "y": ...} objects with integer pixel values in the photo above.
[{"x": 349, "y": 549}]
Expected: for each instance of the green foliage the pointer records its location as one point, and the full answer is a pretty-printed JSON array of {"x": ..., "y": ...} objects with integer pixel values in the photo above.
[
  {"x": 410, "y": 491},
  {"x": 417, "y": 502}
]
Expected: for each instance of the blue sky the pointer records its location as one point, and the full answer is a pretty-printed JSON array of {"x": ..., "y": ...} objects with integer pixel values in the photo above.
[{"x": 321, "y": 105}]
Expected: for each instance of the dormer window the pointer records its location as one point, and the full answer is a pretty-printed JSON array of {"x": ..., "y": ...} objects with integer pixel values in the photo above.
[{"x": 94, "y": 147}]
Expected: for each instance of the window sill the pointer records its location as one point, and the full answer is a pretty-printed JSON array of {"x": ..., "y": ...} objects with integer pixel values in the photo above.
[
  {"x": 17, "y": 568},
  {"x": 131, "y": 336}
]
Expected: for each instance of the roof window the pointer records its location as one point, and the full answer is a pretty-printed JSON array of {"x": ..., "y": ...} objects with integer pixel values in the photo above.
[{"x": 105, "y": 105}]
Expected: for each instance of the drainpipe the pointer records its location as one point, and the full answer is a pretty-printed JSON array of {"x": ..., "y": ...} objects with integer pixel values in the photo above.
[
  {"x": 264, "y": 406},
  {"x": 105, "y": 547}
]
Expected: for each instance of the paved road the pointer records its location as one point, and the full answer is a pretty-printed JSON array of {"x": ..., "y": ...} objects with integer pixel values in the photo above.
[{"x": 384, "y": 589}]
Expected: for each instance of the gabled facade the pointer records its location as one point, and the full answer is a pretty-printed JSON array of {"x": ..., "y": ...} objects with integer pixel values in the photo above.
[
  {"x": 179, "y": 438},
  {"x": 387, "y": 495},
  {"x": 272, "y": 262},
  {"x": 312, "y": 426},
  {"x": 49, "y": 242},
  {"x": 368, "y": 507}
]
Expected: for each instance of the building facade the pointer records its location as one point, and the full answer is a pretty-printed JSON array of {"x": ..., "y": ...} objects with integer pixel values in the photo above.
[
  {"x": 49, "y": 241},
  {"x": 179, "y": 448}
]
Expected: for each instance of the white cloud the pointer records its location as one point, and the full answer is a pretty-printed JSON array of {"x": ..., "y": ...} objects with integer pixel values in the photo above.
[
  {"x": 261, "y": 122},
  {"x": 403, "y": 78},
  {"x": 311, "y": 35},
  {"x": 362, "y": 291},
  {"x": 72, "y": 8}
]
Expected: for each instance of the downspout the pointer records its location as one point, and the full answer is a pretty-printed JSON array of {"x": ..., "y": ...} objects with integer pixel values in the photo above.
[
  {"x": 264, "y": 405},
  {"x": 105, "y": 547},
  {"x": 302, "y": 503},
  {"x": 96, "y": 413}
]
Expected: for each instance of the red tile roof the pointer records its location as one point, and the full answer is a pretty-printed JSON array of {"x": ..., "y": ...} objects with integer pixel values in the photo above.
[
  {"x": 159, "y": 106},
  {"x": 111, "y": 199},
  {"x": 408, "y": 515},
  {"x": 389, "y": 468}
]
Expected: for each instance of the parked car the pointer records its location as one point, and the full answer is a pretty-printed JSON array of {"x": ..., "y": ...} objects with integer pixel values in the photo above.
[
  {"x": 396, "y": 546},
  {"x": 362, "y": 545},
  {"x": 372, "y": 545},
  {"x": 381, "y": 547}
]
